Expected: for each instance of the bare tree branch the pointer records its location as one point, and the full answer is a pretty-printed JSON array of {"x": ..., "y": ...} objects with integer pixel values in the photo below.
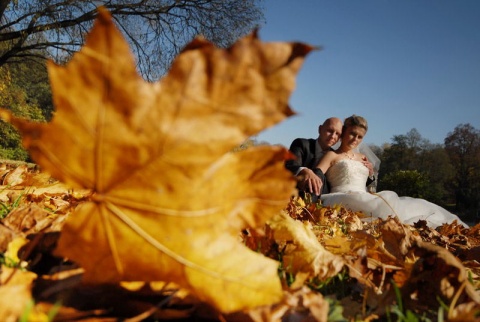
[{"x": 156, "y": 29}]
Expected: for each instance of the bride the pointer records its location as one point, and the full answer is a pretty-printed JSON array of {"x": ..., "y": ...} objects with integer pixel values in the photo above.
[{"x": 347, "y": 173}]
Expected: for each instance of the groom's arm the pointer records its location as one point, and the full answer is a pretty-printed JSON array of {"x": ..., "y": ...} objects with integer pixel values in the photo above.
[
  {"x": 370, "y": 180},
  {"x": 299, "y": 150},
  {"x": 308, "y": 181}
]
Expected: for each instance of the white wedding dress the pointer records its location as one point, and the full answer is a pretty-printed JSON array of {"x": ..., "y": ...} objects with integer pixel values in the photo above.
[{"x": 347, "y": 179}]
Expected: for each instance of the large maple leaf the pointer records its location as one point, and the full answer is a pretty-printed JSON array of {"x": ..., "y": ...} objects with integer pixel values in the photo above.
[{"x": 169, "y": 198}]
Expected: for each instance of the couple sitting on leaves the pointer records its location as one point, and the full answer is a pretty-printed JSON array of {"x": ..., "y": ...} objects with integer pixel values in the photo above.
[{"x": 341, "y": 176}]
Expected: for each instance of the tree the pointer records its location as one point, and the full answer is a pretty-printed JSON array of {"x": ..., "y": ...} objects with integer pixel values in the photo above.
[
  {"x": 32, "y": 79},
  {"x": 34, "y": 30},
  {"x": 410, "y": 183},
  {"x": 414, "y": 160},
  {"x": 16, "y": 84},
  {"x": 463, "y": 148},
  {"x": 157, "y": 30},
  {"x": 435, "y": 164},
  {"x": 401, "y": 155}
]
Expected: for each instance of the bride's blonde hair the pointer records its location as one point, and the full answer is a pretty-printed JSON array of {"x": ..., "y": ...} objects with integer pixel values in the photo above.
[{"x": 355, "y": 120}]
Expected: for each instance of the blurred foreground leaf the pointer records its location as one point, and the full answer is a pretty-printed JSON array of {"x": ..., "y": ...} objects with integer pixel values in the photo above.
[{"x": 168, "y": 196}]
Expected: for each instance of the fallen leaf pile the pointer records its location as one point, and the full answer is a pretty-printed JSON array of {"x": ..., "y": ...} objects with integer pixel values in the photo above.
[
  {"x": 374, "y": 268},
  {"x": 332, "y": 265},
  {"x": 137, "y": 209}
]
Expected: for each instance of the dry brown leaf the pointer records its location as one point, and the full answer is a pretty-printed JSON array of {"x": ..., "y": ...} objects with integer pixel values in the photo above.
[
  {"x": 29, "y": 218},
  {"x": 13, "y": 248},
  {"x": 302, "y": 304},
  {"x": 16, "y": 177},
  {"x": 438, "y": 272},
  {"x": 397, "y": 239},
  {"x": 168, "y": 196},
  {"x": 384, "y": 254},
  {"x": 304, "y": 253},
  {"x": 338, "y": 244},
  {"x": 15, "y": 292},
  {"x": 6, "y": 236},
  {"x": 54, "y": 189}
]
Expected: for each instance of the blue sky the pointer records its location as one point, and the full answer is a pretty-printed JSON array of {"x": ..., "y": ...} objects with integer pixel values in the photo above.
[{"x": 401, "y": 64}]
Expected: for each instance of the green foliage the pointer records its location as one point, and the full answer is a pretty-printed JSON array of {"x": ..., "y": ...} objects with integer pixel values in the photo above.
[
  {"x": 29, "y": 315},
  {"x": 463, "y": 148},
  {"x": 25, "y": 317},
  {"x": 10, "y": 143},
  {"x": 435, "y": 164},
  {"x": 403, "y": 314},
  {"x": 18, "y": 153},
  {"x": 335, "y": 311},
  {"x": 9, "y": 262},
  {"x": 26, "y": 92},
  {"x": 401, "y": 155},
  {"x": 6, "y": 208},
  {"x": 445, "y": 175},
  {"x": 31, "y": 78},
  {"x": 24, "y": 88},
  {"x": 284, "y": 272},
  {"x": 406, "y": 183},
  {"x": 338, "y": 285}
]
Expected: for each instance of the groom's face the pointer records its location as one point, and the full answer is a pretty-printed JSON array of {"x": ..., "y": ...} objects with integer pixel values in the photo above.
[{"x": 330, "y": 133}]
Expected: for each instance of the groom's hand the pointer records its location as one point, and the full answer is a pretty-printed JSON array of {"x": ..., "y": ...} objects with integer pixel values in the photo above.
[
  {"x": 310, "y": 182},
  {"x": 369, "y": 165}
]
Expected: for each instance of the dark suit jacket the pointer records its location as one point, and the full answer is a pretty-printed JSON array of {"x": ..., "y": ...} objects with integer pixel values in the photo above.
[{"x": 307, "y": 154}]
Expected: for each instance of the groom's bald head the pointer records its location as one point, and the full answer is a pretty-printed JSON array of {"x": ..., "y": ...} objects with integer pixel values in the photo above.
[{"x": 329, "y": 132}]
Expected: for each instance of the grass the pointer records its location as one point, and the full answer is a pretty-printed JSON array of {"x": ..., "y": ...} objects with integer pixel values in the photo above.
[{"x": 6, "y": 208}]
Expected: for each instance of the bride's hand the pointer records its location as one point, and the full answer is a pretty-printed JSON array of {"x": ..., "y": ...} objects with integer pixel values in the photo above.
[{"x": 369, "y": 166}]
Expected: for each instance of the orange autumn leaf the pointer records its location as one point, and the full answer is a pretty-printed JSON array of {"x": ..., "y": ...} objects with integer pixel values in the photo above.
[
  {"x": 169, "y": 198},
  {"x": 15, "y": 177},
  {"x": 15, "y": 293},
  {"x": 303, "y": 253}
]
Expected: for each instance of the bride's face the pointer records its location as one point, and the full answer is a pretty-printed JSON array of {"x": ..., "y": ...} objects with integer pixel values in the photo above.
[{"x": 353, "y": 136}]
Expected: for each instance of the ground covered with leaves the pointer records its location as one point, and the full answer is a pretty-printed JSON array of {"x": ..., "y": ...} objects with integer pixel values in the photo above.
[{"x": 334, "y": 265}]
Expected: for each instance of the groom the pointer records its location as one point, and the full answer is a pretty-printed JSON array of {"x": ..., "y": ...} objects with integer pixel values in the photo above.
[{"x": 308, "y": 153}]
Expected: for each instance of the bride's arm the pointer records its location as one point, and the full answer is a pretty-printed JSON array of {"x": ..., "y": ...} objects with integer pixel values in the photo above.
[{"x": 326, "y": 161}]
